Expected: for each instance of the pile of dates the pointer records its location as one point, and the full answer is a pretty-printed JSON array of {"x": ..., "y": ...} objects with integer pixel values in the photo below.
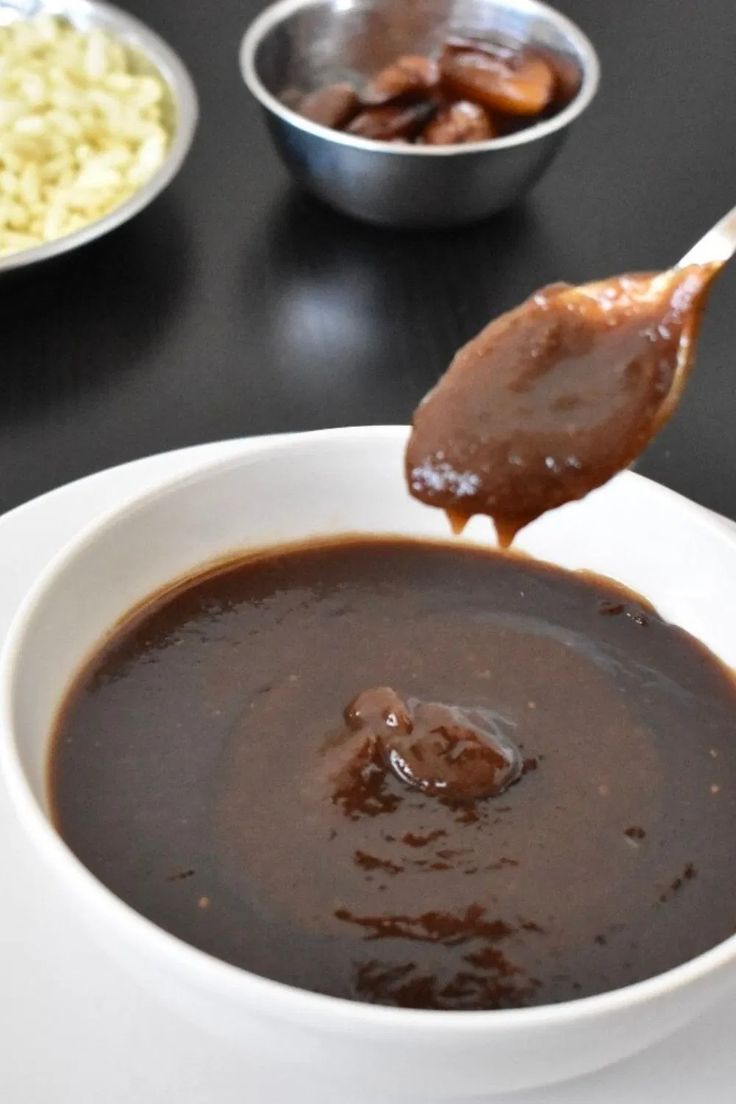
[{"x": 472, "y": 91}]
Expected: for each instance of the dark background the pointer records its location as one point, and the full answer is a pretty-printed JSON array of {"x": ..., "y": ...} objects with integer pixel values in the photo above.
[{"x": 234, "y": 306}]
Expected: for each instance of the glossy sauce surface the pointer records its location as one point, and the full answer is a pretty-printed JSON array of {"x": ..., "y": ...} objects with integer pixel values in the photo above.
[
  {"x": 224, "y": 765},
  {"x": 553, "y": 398}
]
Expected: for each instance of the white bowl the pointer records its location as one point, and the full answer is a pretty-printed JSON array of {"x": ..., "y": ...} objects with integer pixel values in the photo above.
[{"x": 334, "y": 482}]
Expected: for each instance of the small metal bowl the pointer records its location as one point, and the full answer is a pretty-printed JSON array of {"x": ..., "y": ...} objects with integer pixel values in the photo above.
[
  {"x": 151, "y": 55},
  {"x": 304, "y": 44}
]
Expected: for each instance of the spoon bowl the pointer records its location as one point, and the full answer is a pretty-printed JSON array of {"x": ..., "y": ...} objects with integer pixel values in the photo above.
[{"x": 555, "y": 397}]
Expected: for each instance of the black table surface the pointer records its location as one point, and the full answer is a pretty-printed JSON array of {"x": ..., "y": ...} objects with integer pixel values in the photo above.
[{"x": 235, "y": 306}]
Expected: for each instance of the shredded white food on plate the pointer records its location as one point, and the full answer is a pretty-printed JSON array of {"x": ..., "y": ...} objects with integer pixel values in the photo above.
[{"x": 80, "y": 130}]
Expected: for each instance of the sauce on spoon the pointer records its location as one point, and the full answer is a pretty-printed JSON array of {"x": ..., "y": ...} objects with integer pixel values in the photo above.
[{"x": 555, "y": 397}]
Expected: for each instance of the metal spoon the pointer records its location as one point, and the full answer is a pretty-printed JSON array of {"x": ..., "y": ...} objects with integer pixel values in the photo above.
[{"x": 719, "y": 244}]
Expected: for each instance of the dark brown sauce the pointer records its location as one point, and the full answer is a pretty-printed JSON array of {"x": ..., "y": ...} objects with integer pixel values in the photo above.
[
  {"x": 225, "y": 767},
  {"x": 553, "y": 398}
]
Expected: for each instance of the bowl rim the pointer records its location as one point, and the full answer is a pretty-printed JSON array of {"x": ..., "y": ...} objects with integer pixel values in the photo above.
[
  {"x": 282, "y": 10},
  {"x": 174, "y": 74},
  {"x": 222, "y": 979}
]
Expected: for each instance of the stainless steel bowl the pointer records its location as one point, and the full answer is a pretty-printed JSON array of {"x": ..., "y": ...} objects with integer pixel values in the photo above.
[
  {"x": 151, "y": 54},
  {"x": 303, "y": 44}
]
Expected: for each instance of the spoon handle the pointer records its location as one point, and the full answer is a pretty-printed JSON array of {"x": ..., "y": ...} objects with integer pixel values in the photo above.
[{"x": 719, "y": 244}]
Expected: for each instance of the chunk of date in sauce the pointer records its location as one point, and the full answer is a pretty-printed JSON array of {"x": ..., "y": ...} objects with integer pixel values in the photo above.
[
  {"x": 409, "y": 773},
  {"x": 553, "y": 398}
]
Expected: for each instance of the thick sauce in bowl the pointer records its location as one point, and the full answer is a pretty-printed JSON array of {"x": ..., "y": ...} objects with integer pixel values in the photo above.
[{"x": 414, "y": 774}]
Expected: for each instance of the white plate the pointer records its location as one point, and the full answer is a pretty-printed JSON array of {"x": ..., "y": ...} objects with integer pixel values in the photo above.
[{"x": 63, "y": 1038}]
